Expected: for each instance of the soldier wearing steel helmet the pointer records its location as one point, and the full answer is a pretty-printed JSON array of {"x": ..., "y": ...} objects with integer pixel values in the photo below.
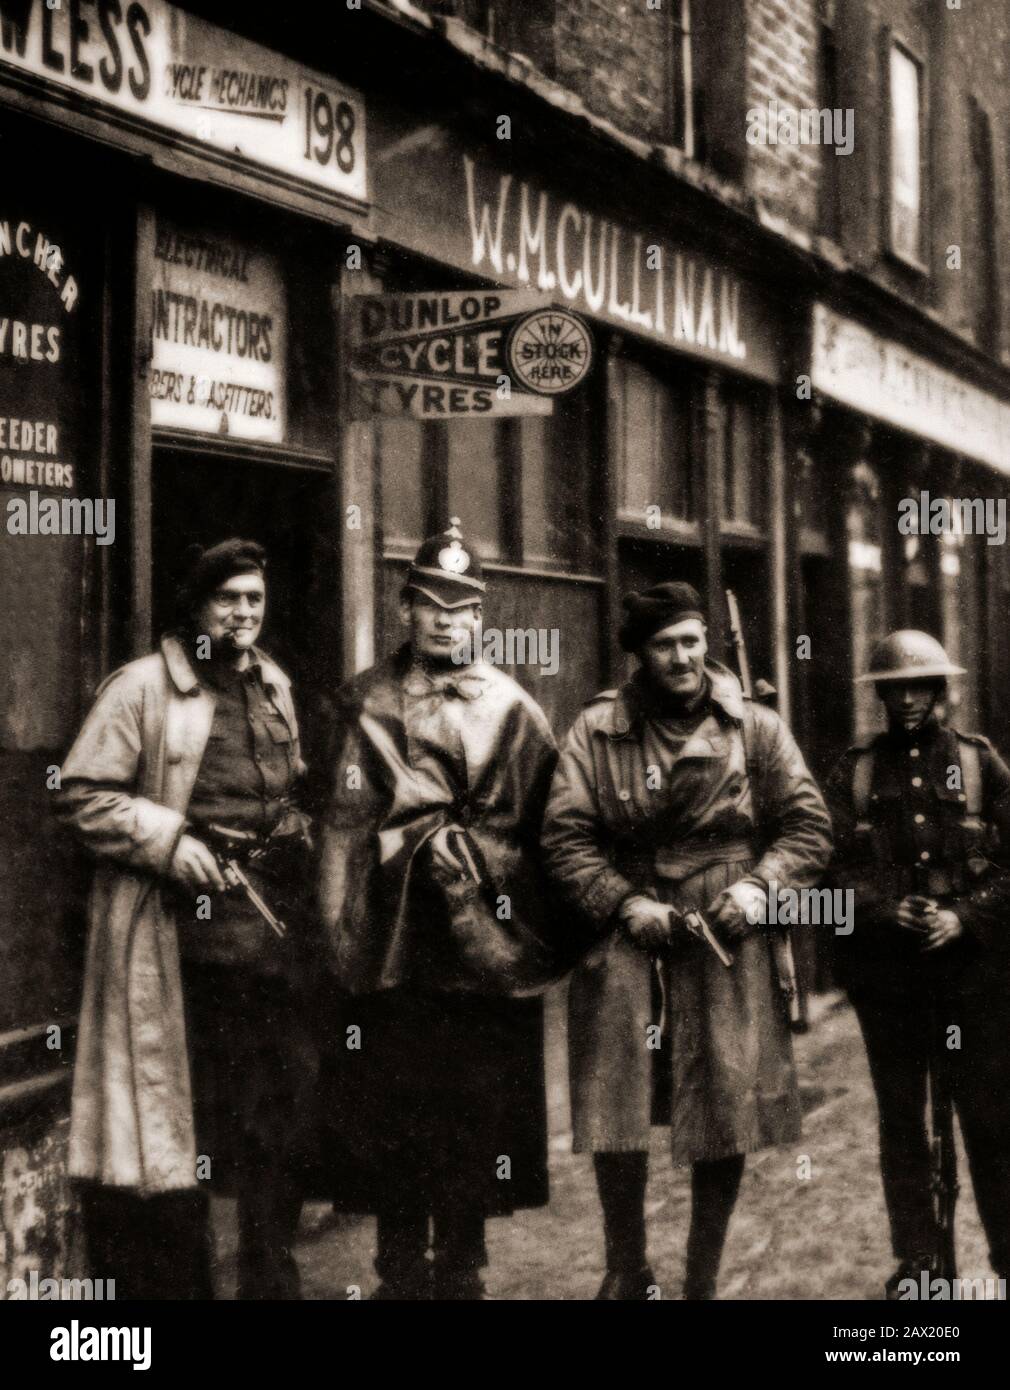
[{"x": 922, "y": 831}]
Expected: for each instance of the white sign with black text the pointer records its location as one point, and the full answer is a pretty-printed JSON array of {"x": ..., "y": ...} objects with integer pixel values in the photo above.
[
  {"x": 219, "y": 336},
  {"x": 148, "y": 59}
]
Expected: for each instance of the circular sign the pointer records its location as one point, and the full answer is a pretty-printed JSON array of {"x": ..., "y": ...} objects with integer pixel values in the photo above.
[{"x": 550, "y": 351}]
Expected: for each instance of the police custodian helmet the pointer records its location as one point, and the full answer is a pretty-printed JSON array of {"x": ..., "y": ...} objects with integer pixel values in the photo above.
[
  {"x": 446, "y": 570},
  {"x": 909, "y": 655}
]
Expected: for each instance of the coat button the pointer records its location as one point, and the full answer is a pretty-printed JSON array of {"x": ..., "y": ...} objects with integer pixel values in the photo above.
[
  {"x": 924, "y": 855},
  {"x": 913, "y": 752},
  {"x": 916, "y": 781},
  {"x": 624, "y": 794},
  {"x": 920, "y": 820}
]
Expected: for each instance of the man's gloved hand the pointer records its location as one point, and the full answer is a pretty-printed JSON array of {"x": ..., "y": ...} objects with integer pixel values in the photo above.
[
  {"x": 442, "y": 853},
  {"x": 646, "y": 922},
  {"x": 739, "y": 909}
]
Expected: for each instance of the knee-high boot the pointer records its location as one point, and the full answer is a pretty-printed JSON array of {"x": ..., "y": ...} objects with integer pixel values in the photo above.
[{"x": 714, "y": 1189}]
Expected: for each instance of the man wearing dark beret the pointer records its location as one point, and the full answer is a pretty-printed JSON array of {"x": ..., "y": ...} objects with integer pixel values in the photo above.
[
  {"x": 675, "y": 791},
  {"x": 192, "y": 1066}
]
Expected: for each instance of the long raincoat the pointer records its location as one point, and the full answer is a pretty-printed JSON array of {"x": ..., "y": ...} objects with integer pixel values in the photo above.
[{"x": 733, "y": 799}]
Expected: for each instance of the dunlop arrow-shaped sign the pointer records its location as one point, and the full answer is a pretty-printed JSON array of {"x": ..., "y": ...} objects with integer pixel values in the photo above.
[{"x": 451, "y": 354}]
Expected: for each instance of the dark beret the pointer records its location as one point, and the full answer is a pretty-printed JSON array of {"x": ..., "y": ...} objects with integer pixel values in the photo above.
[
  {"x": 656, "y": 608},
  {"x": 207, "y": 569}
]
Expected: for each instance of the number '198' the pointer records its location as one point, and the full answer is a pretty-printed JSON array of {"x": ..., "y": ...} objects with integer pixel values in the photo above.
[{"x": 329, "y": 130}]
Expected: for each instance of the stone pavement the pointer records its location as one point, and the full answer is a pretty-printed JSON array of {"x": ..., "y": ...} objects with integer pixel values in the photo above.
[{"x": 791, "y": 1238}]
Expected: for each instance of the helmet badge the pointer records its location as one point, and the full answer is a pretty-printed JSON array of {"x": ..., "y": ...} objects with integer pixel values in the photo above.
[{"x": 453, "y": 558}]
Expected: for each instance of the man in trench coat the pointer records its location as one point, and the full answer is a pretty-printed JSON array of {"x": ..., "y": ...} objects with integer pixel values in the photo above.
[
  {"x": 434, "y": 902},
  {"x": 674, "y": 790},
  {"x": 192, "y": 1065}
]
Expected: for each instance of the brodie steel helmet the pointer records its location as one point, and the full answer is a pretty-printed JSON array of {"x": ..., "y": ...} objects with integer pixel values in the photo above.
[{"x": 909, "y": 655}]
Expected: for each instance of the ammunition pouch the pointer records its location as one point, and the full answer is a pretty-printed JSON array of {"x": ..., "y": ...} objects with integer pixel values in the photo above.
[{"x": 962, "y": 856}]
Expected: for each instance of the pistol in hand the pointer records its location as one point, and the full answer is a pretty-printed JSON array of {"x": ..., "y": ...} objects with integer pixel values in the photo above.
[
  {"x": 235, "y": 877},
  {"x": 696, "y": 924}
]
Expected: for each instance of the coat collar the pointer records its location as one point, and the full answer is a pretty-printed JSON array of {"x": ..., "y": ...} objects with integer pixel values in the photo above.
[
  {"x": 625, "y": 712},
  {"x": 464, "y": 682},
  {"x": 184, "y": 677}
]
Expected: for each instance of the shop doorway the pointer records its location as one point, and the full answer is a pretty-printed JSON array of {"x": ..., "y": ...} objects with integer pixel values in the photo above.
[{"x": 202, "y": 498}]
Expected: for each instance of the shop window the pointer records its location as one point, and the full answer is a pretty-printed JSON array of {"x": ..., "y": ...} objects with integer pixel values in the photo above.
[
  {"x": 653, "y": 427},
  {"x": 905, "y": 133},
  {"x": 521, "y": 486},
  {"x": 869, "y": 620},
  {"x": 550, "y": 454},
  {"x": 811, "y": 496},
  {"x": 474, "y": 481},
  {"x": 743, "y": 459},
  {"x": 915, "y": 564},
  {"x": 399, "y": 447},
  {"x": 61, "y": 526},
  {"x": 537, "y": 522},
  {"x": 961, "y": 616}
]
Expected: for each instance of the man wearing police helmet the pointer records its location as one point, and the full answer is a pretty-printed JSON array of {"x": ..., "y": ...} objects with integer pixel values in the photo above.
[
  {"x": 438, "y": 917},
  {"x": 922, "y": 834}
]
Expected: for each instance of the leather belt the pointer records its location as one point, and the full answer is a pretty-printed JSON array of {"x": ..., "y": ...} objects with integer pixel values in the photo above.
[{"x": 688, "y": 857}]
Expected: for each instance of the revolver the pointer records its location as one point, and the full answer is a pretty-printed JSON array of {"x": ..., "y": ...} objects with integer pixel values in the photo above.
[
  {"x": 696, "y": 924},
  {"x": 235, "y": 876}
]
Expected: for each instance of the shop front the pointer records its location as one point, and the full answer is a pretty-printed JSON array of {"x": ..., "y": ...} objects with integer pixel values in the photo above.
[
  {"x": 905, "y": 501},
  {"x": 173, "y": 232},
  {"x": 664, "y": 464}
]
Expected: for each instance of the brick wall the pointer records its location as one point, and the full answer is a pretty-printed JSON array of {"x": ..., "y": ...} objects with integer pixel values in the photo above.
[
  {"x": 614, "y": 54},
  {"x": 965, "y": 52},
  {"x": 782, "y": 65}
]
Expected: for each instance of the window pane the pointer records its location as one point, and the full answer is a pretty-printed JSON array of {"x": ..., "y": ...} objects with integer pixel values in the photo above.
[
  {"x": 682, "y": 96},
  {"x": 539, "y": 545},
  {"x": 869, "y": 620},
  {"x": 743, "y": 458},
  {"x": 638, "y": 491},
  {"x": 673, "y": 453},
  {"x": 399, "y": 445},
  {"x": 656, "y": 445},
  {"x": 683, "y": 501},
  {"x": 474, "y": 489},
  {"x": 962, "y": 618},
  {"x": 905, "y": 154}
]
